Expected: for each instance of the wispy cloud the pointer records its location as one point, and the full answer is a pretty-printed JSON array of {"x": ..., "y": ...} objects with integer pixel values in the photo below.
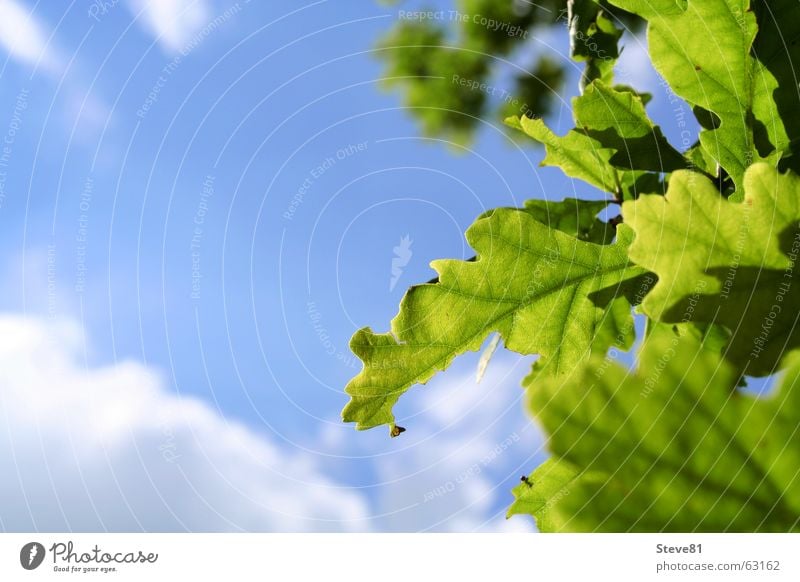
[
  {"x": 21, "y": 35},
  {"x": 86, "y": 448},
  {"x": 26, "y": 40},
  {"x": 172, "y": 22},
  {"x": 109, "y": 448}
]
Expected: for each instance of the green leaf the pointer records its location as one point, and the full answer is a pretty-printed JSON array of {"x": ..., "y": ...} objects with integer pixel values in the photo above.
[
  {"x": 419, "y": 61},
  {"x": 615, "y": 329},
  {"x": 704, "y": 52},
  {"x": 534, "y": 90},
  {"x": 537, "y": 495},
  {"x": 673, "y": 447},
  {"x": 615, "y": 147},
  {"x": 777, "y": 48},
  {"x": 617, "y": 119},
  {"x": 451, "y": 72},
  {"x": 702, "y": 161},
  {"x": 645, "y": 97},
  {"x": 577, "y": 154},
  {"x": 724, "y": 262},
  {"x": 652, "y": 8},
  {"x": 593, "y": 39},
  {"x": 575, "y": 217},
  {"x": 530, "y": 283},
  {"x": 582, "y": 157}
]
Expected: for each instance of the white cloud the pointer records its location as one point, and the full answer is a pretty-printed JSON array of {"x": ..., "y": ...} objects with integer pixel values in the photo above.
[
  {"x": 21, "y": 35},
  {"x": 94, "y": 448},
  {"x": 88, "y": 448},
  {"x": 25, "y": 39},
  {"x": 172, "y": 22}
]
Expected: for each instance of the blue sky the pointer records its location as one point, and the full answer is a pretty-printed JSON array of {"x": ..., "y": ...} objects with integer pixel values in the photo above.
[{"x": 195, "y": 220}]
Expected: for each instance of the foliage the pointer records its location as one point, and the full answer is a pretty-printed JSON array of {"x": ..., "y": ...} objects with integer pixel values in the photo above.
[
  {"x": 725, "y": 262},
  {"x": 679, "y": 450},
  {"x": 706, "y": 246},
  {"x": 457, "y": 66},
  {"x": 525, "y": 274}
]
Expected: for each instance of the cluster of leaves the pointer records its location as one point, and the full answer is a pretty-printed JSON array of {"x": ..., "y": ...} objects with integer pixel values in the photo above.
[
  {"x": 705, "y": 248},
  {"x": 475, "y": 41}
]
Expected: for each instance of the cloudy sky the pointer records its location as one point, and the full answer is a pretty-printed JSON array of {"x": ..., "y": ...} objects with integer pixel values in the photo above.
[{"x": 174, "y": 318}]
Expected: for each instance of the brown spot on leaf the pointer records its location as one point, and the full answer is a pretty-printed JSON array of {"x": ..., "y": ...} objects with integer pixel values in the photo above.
[{"x": 397, "y": 431}]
